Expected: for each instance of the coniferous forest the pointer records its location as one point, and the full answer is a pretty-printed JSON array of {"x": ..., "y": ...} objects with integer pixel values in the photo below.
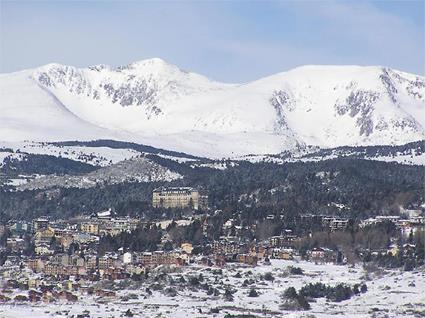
[{"x": 346, "y": 187}]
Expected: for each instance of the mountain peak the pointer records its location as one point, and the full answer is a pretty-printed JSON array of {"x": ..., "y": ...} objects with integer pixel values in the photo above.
[
  {"x": 152, "y": 65},
  {"x": 152, "y": 61}
]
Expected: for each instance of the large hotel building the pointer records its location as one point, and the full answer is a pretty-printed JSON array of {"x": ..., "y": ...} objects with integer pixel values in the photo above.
[{"x": 179, "y": 197}]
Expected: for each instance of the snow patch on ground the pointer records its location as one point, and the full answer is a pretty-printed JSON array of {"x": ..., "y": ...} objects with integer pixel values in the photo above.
[
  {"x": 97, "y": 156},
  {"x": 408, "y": 159}
]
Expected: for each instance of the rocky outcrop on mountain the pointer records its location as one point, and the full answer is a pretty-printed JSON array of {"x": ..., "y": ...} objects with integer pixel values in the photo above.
[{"x": 132, "y": 170}]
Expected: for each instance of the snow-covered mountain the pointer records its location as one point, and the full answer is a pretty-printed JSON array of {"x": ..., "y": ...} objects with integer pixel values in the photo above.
[{"x": 156, "y": 103}]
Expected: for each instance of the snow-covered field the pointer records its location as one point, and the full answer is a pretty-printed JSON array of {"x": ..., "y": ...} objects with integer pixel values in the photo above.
[
  {"x": 97, "y": 156},
  {"x": 411, "y": 158},
  {"x": 390, "y": 294}
]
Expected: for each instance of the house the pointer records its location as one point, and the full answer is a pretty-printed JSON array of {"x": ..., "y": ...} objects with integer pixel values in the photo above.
[
  {"x": 103, "y": 215},
  {"x": 67, "y": 296},
  {"x": 84, "y": 238},
  {"x": 259, "y": 251},
  {"x": 15, "y": 244},
  {"x": 409, "y": 249},
  {"x": 286, "y": 240},
  {"x": 127, "y": 258},
  {"x": 66, "y": 284},
  {"x": 43, "y": 249},
  {"x": 20, "y": 227},
  {"x": 334, "y": 223},
  {"x": 411, "y": 228},
  {"x": 33, "y": 283},
  {"x": 91, "y": 227},
  {"x": 40, "y": 224},
  {"x": 35, "y": 264},
  {"x": 285, "y": 254},
  {"x": 21, "y": 298},
  {"x": 91, "y": 261},
  {"x": 317, "y": 254},
  {"x": 247, "y": 259},
  {"x": 187, "y": 248},
  {"x": 61, "y": 259},
  {"x": 65, "y": 239},
  {"x": 76, "y": 260},
  {"x": 379, "y": 219},
  {"x": 104, "y": 293},
  {"x": 51, "y": 269},
  {"x": 108, "y": 261},
  {"x": 34, "y": 296},
  {"x": 219, "y": 261},
  {"x": 44, "y": 235},
  {"x": 227, "y": 246}
]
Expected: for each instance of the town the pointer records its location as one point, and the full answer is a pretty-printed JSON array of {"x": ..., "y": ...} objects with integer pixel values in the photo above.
[{"x": 46, "y": 260}]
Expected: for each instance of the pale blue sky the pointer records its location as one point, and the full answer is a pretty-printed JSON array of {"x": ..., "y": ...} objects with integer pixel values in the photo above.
[{"x": 232, "y": 41}]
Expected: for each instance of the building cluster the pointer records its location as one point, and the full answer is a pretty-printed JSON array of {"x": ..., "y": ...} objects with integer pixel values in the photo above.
[
  {"x": 66, "y": 249},
  {"x": 48, "y": 289},
  {"x": 108, "y": 266},
  {"x": 407, "y": 225},
  {"x": 69, "y": 248},
  {"x": 47, "y": 235},
  {"x": 47, "y": 253},
  {"x": 233, "y": 249}
]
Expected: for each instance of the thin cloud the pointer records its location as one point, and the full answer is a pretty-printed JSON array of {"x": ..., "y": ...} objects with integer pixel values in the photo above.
[
  {"x": 374, "y": 36},
  {"x": 228, "y": 41}
]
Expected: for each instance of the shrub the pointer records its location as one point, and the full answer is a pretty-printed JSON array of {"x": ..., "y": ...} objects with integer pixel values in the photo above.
[
  {"x": 294, "y": 301},
  {"x": 303, "y": 303},
  {"x": 228, "y": 295},
  {"x": 296, "y": 270},
  {"x": 201, "y": 277},
  {"x": 316, "y": 290},
  {"x": 268, "y": 276},
  {"x": 194, "y": 281},
  {"x": 290, "y": 293},
  {"x": 409, "y": 265},
  {"x": 252, "y": 293},
  {"x": 157, "y": 287},
  {"x": 339, "y": 293},
  {"x": 170, "y": 291}
]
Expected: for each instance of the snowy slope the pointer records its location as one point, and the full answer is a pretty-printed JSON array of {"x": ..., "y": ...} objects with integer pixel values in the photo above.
[
  {"x": 27, "y": 111},
  {"x": 156, "y": 103},
  {"x": 96, "y": 156},
  {"x": 133, "y": 170}
]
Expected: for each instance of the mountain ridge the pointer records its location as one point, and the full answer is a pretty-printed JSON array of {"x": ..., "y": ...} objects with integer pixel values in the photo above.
[{"x": 156, "y": 103}]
